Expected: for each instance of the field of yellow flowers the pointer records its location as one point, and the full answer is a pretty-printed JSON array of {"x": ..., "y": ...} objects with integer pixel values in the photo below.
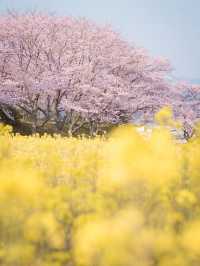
[{"x": 122, "y": 200}]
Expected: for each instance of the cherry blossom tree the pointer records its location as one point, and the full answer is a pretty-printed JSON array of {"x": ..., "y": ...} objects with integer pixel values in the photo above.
[
  {"x": 186, "y": 106},
  {"x": 72, "y": 73}
]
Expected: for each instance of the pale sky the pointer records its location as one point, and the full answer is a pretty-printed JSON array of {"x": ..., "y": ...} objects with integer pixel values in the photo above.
[{"x": 169, "y": 28}]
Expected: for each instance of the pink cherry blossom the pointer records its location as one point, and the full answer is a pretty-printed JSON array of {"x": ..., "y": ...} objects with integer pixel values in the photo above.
[{"x": 72, "y": 72}]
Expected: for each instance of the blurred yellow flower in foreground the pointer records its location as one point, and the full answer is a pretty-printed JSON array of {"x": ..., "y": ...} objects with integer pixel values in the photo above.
[{"x": 119, "y": 200}]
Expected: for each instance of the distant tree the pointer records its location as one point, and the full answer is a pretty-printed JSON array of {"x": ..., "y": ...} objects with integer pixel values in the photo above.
[
  {"x": 73, "y": 74},
  {"x": 186, "y": 106}
]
